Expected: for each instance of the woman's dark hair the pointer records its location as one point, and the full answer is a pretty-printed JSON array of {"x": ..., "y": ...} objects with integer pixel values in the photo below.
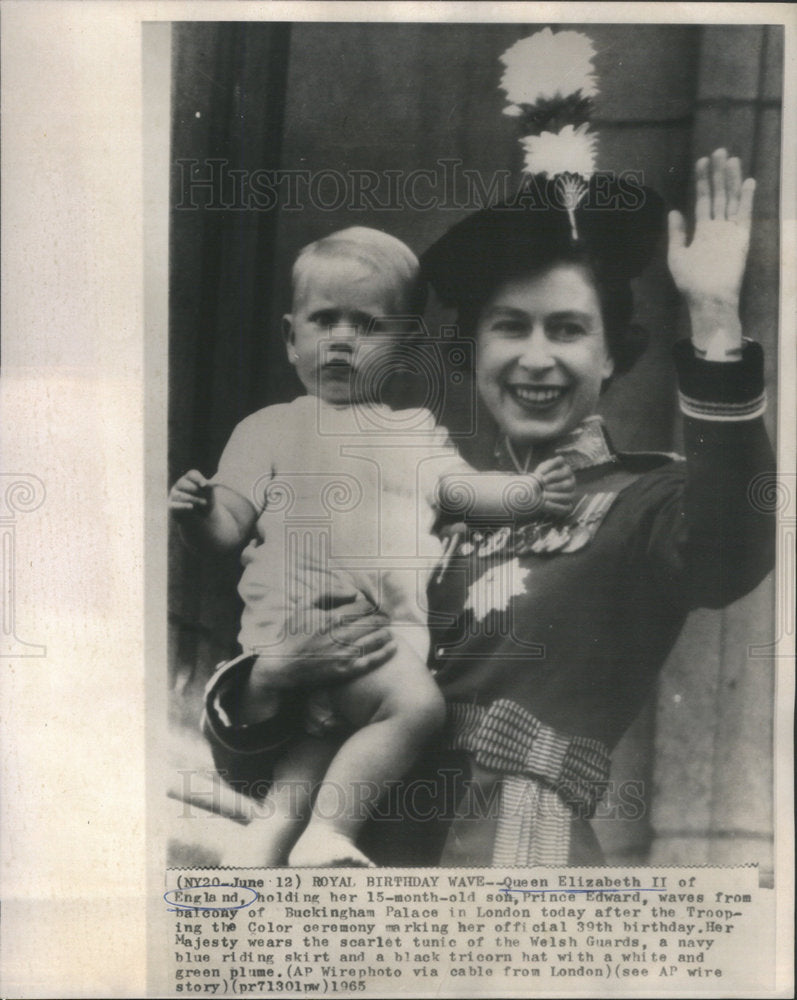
[{"x": 626, "y": 340}]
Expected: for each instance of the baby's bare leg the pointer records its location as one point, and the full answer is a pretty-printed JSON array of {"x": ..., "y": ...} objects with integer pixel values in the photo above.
[
  {"x": 397, "y": 708},
  {"x": 278, "y": 821}
]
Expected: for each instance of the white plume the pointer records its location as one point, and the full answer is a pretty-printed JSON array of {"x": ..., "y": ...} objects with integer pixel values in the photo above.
[
  {"x": 547, "y": 65},
  {"x": 570, "y": 151}
]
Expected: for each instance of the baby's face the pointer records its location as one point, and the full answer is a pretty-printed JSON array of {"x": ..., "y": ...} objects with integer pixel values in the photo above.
[{"x": 336, "y": 335}]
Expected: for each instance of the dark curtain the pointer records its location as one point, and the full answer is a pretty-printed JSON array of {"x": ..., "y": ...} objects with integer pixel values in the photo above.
[{"x": 228, "y": 104}]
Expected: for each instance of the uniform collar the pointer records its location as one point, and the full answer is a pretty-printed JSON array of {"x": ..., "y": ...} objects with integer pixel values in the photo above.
[{"x": 585, "y": 447}]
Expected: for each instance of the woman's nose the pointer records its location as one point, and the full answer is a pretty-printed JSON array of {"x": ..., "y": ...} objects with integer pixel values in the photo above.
[{"x": 536, "y": 350}]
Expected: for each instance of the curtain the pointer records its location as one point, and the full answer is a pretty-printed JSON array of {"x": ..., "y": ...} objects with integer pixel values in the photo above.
[{"x": 228, "y": 102}]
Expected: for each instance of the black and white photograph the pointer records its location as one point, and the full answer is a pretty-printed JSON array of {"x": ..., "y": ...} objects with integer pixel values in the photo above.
[
  {"x": 472, "y": 395},
  {"x": 399, "y": 491}
]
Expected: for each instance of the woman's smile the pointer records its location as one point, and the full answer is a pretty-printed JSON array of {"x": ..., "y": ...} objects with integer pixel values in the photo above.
[{"x": 536, "y": 397}]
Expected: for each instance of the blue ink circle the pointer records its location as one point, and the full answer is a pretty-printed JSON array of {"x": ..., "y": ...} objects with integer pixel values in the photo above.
[{"x": 206, "y": 906}]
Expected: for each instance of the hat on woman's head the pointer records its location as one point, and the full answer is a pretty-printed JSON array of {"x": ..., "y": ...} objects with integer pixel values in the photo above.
[
  {"x": 565, "y": 210},
  {"x": 618, "y": 224}
]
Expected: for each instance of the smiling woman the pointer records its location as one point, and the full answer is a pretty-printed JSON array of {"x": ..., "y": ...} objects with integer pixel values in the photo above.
[{"x": 542, "y": 355}]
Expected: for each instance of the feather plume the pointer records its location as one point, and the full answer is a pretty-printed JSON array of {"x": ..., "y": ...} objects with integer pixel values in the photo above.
[
  {"x": 569, "y": 156},
  {"x": 570, "y": 151},
  {"x": 546, "y": 66},
  {"x": 551, "y": 116},
  {"x": 549, "y": 82}
]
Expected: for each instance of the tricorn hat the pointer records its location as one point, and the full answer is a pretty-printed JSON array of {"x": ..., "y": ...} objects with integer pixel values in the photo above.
[{"x": 614, "y": 227}]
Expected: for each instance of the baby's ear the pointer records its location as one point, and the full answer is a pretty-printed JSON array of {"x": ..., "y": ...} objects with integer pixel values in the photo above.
[{"x": 288, "y": 336}]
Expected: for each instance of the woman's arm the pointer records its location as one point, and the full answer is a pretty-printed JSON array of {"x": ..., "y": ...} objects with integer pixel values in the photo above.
[
  {"x": 727, "y": 535},
  {"x": 729, "y": 538}
]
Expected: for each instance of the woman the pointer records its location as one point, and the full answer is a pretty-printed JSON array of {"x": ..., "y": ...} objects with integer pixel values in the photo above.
[{"x": 548, "y": 638}]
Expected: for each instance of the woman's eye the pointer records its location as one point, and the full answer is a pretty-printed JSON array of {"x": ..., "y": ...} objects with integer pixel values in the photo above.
[
  {"x": 567, "y": 331},
  {"x": 509, "y": 327}
]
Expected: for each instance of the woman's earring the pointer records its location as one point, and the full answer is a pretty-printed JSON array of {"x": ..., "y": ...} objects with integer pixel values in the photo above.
[{"x": 294, "y": 356}]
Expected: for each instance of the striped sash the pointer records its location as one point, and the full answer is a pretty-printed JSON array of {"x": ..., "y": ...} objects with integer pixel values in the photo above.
[{"x": 548, "y": 777}]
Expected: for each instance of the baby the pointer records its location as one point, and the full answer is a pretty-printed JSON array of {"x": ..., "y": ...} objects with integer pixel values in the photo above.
[{"x": 336, "y": 495}]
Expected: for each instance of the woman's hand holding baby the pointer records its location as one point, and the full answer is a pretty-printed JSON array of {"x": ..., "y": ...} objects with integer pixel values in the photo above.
[{"x": 337, "y": 644}]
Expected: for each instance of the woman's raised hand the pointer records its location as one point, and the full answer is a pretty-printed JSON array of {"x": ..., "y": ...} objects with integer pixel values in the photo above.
[{"x": 708, "y": 271}]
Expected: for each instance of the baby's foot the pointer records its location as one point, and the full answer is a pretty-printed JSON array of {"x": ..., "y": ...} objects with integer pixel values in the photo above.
[
  {"x": 250, "y": 847},
  {"x": 323, "y": 848}
]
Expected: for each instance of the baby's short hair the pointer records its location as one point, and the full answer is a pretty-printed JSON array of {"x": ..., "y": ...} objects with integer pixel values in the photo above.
[{"x": 376, "y": 250}]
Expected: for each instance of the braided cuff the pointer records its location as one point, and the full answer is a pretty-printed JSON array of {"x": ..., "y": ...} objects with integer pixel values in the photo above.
[{"x": 721, "y": 390}]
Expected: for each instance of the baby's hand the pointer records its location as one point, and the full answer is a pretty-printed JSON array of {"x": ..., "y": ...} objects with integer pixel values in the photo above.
[
  {"x": 191, "y": 495},
  {"x": 558, "y": 483}
]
